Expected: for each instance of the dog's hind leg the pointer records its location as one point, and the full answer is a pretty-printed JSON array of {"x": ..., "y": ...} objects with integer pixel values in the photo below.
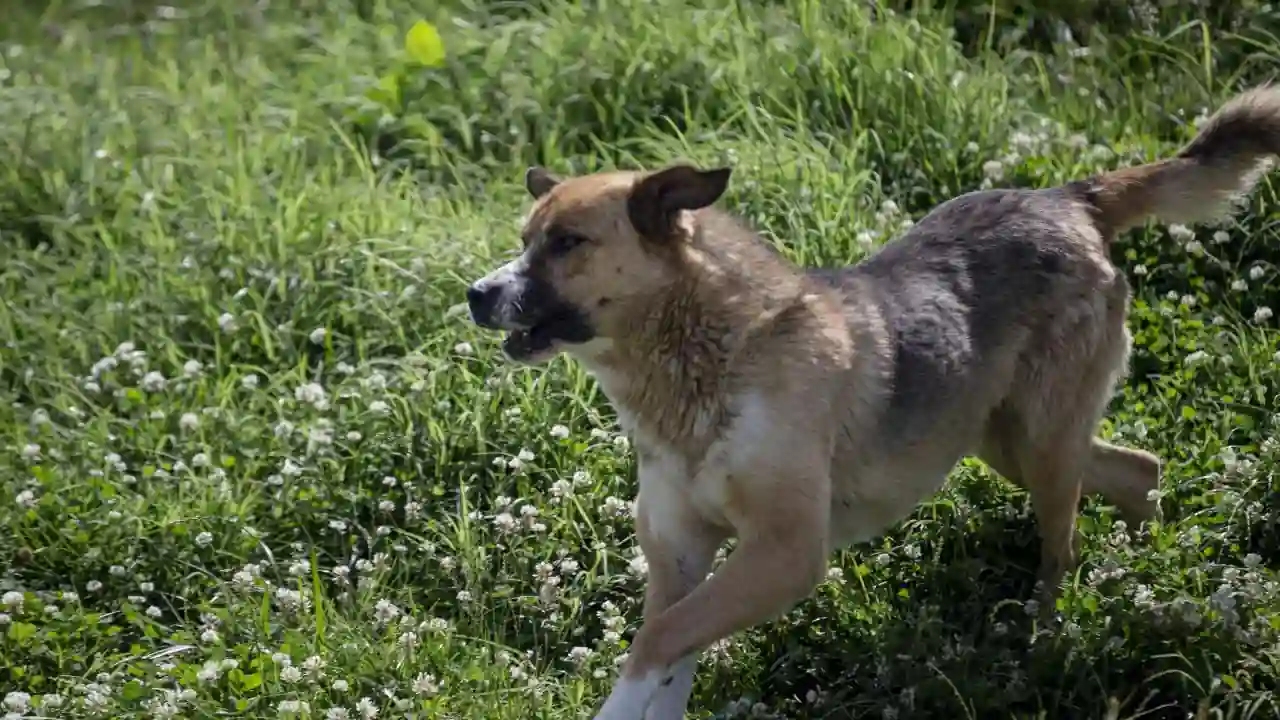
[
  {"x": 1043, "y": 435},
  {"x": 1125, "y": 477},
  {"x": 1052, "y": 474}
]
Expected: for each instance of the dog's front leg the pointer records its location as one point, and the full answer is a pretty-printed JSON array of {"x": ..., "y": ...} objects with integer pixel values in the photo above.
[
  {"x": 679, "y": 548},
  {"x": 780, "y": 558}
]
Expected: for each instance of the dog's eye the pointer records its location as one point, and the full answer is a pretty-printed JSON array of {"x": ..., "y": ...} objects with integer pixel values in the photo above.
[{"x": 562, "y": 243}]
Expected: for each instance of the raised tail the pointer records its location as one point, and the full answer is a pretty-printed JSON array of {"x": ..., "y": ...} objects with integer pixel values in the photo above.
[{"x": 1222, "y": 164}]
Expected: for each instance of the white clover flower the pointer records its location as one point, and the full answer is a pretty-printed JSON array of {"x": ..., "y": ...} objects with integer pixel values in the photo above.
[
  {"x": 290, "y": 674},
  {"x": 312, "y": 394},
  {"x": 1256, "y": 272},
  {"x": 1262, "y": 314},
  {"x": 1181, "y": 233},
  {"x": 291, "y": 708},
  {"x": 25, "y": 499},
  {"x": 367, "y": 709},
  {"x": 318, "y": 335},
  {"x": 249, "y": 382},
  {"x": 993, "y": 170},
  {"x": 380, "y": 408},
  {"x": 204, "y": 539},
  {"x": 425, "y": 685},
  {"x": 639, "y": 565},
  {"x": 341, "y": 685},
  {"x": 464, "y": 348},
  {"x": 613, "y": 507},
  {"x": 385, "y": 611},
  {"x": 189, "y": 421},
  {"x": 209, "y": 672},
  {"x": 18, "y": 702},
  {"x": 559, "y": 432},
  {"x": 227, "y": 322},
  {"x": 505, "y": 522},
  {"x": 288, "y": 599},
  {"x": 192, "y": 368},
  {"x": 561, "y": 489}
]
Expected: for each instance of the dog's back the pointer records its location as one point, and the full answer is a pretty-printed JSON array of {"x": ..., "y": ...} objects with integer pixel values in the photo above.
[{"x": 997, "y": 301}]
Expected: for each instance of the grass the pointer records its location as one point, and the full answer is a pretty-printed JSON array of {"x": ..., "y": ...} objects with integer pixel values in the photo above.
[{"x": 256, "y": 463}]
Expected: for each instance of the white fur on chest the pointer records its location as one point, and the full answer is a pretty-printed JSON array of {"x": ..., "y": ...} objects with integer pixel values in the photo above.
[
  {"x": 673, "y": 484},
  {"x": 694, "y": 474}
]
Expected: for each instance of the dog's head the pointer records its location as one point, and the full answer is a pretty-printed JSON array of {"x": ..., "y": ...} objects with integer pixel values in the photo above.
[{"x": 593, "y": 245}]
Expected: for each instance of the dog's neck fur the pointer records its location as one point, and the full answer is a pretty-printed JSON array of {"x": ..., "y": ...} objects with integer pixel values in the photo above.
[{"x": 668, "y": 369}]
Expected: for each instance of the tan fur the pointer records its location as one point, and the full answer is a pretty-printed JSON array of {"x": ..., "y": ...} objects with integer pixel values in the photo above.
[{"x": 800, "y": 410}]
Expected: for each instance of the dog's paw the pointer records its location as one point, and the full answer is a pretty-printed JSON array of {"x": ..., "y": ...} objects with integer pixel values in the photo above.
[{"x": 631, "y": 697}]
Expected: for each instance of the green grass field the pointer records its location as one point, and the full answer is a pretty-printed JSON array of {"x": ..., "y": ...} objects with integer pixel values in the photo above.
[{"x": 256, "y": 462}]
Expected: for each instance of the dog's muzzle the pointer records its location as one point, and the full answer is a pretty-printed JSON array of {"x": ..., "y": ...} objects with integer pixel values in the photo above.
[
  {"x": 537, "y": 321},
  {"x": 482, "y": 301}
]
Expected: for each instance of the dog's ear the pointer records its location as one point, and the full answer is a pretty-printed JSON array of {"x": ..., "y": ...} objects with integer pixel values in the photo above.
[
  {"x": 657, "y": 199},
  {"x": 539, "y": 181}
]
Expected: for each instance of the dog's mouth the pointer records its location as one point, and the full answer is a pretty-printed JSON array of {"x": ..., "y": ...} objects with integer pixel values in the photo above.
[
  {"x": 526, "y": 344},
  {"x": 543, "y": 339}
]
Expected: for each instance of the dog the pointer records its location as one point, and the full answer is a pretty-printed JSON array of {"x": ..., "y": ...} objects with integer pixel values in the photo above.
[{"x": 803, "y": 409}]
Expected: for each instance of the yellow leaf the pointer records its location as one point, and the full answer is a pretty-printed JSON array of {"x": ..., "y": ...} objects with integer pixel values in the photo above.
[{"x": 424, "y": 45}]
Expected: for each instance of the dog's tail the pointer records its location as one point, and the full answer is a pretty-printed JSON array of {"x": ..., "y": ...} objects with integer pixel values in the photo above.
[{"x": 1223, "y": 163}]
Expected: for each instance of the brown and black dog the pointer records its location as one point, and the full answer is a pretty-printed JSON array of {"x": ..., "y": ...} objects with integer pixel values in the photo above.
[{"x": 800, "y": 410}]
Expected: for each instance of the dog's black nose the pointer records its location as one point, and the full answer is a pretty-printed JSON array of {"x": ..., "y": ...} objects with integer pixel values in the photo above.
[{"x": 480, "y": 300}]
